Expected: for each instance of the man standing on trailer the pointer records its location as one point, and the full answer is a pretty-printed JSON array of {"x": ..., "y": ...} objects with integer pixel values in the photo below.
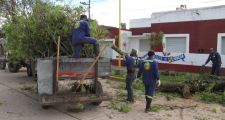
[
  {"x": 81, "y": 35},
  {"x": 216, "y": 62}
]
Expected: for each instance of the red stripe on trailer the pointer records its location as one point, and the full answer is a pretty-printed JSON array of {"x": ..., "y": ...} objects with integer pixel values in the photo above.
[{"x": 72, "y": 74}]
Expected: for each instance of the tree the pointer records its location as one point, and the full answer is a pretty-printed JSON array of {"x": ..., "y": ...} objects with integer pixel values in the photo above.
[
  {"x": 154, "y": 38},
  {"x": 97, "y": 32},
  {"x": 35, "y": 26}
]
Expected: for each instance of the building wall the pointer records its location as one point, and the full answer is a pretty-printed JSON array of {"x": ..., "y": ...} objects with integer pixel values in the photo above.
[
  {"x": 196, "y": 14},
  {"x": 203, "y": 34},
  {"x": 140, "y": 31},
  {"x": 140, "y": 23},
  {"x": 203, "y": 26}
]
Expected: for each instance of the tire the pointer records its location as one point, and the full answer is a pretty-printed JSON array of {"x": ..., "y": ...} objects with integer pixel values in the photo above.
[
  {"x": 45, "y": 107},
  {"x": 29, "y": 71},
  {"x": 13, "y": 68},
  {"x": 2, "y": 65},
  {"x": 98, "y": 91}
]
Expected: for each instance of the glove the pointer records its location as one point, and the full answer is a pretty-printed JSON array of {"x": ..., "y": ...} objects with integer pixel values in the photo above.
[{"x": 158, "y": 83}]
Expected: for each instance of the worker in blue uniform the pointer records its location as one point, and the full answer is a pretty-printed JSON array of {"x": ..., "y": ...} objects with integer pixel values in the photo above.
[
  {"x": 130, "y": 62},
  {"x": 81, "y": 35},
  {"x": 216, "y": 62},
  {"x": 148, "y": 69}
]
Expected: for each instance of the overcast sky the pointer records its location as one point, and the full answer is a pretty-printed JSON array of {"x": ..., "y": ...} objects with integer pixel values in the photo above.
[{"x": 106, "y": 11}]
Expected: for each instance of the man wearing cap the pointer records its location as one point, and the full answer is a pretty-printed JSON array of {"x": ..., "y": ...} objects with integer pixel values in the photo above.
[
  {"x": 81, "y": 35},
  {"x": 216, "y": 62},
  {"x": 130, "y": 62},
  {"x": 148, "y": 69}
]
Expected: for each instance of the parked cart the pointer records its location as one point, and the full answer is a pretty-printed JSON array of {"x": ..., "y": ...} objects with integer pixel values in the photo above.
[{"x": 71, "y": 70}]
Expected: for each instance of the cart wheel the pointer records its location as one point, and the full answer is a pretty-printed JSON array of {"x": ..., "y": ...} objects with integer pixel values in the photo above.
[
  {"x": 13, "y": 67},
  {"x": 97, "y": 89},
  {"x": 29, "y": 71},
  {"x": 45, "y": 107},
  {"x": 2, "y": 65}
]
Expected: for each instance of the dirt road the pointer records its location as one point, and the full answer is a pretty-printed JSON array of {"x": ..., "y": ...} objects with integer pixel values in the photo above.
[{"x": 19, "y": 101}]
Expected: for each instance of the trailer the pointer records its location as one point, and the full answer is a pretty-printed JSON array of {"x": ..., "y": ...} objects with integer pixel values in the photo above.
[
  {"x": 68, "y": 89},
  {"x": 2, "y": 54}
]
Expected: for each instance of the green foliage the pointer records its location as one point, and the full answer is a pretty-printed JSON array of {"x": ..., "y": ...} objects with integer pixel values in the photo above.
[
  {"x": 98, "y": 33},
  {"x": 138, "y": 86},
  {"x": 201, "y": 118},
  {"x": 214, "y": 110},
  {"x": 155, "y": 38},
  {"x": 210, "y": 97},
  {"x": 176, "y": 78},
  {"x": 119, "y": 102},
  {"x": 156, "y": 108},
  {"x": 33, "y": 33},
  {"x": 1, "y": 103},
  {"x": 201, "y": 83},
  {"x": 121, "y": 106}
]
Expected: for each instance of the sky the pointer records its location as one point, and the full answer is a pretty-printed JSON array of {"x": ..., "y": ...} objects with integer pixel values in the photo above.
[{"x": 106, "y": 11}]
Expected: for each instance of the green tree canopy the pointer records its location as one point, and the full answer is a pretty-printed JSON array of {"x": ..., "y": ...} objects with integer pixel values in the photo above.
[{"x": 33, "y": 31}]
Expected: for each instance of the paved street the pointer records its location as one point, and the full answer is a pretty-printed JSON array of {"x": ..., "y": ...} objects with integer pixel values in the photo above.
[
  {"x": 19, "y": 101},
  {"x": 19, "y": 104}
]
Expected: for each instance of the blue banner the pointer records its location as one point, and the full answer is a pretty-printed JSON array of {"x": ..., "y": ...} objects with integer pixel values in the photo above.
[{"x": 170, "y": 58}]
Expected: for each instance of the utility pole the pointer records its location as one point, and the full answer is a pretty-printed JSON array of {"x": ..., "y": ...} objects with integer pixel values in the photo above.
[
  {"x": 89, "y": 8},
  {"x": 119, "y": 36}
]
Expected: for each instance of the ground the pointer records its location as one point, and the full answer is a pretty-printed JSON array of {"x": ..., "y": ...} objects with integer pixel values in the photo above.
[{"x": 19, "y": 101}]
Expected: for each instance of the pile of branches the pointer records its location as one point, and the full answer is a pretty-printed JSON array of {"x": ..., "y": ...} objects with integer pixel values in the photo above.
[
  {"x": 32, "y": 28},
  {"x": 201, "y": 83}
]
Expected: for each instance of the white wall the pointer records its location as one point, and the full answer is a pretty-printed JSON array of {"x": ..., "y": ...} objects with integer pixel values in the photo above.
[
  {"x": 124, "y": 43},
  {"x": 197, "y": 14},
  {"x": 125, "y": 40},
  {"x": 207, "y": 13},
  {"x": 190, "y": 59},
  {"x": 139, "y": 23}
]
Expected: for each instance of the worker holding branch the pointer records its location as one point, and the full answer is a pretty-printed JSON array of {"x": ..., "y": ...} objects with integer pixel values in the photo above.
[
  {"x": 130, "y": 62},
  {"x": 216, "y": 62}
]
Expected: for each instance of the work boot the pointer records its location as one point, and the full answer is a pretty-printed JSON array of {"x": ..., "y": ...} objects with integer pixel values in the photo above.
[
  {"x": 96, "y": 49},
  {"x": 148, "y": 105}
]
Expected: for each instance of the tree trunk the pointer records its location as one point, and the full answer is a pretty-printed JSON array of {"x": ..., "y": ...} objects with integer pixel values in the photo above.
[{"x": 183, "y": 89}]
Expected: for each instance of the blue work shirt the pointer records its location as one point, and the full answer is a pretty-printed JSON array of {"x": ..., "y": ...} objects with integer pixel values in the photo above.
[
  {"x": 80, "y": 31},
  {"x": 130, "y": 63},
  {"x": 215, "y": 58},
  {"x": 148, "y": 69}
]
